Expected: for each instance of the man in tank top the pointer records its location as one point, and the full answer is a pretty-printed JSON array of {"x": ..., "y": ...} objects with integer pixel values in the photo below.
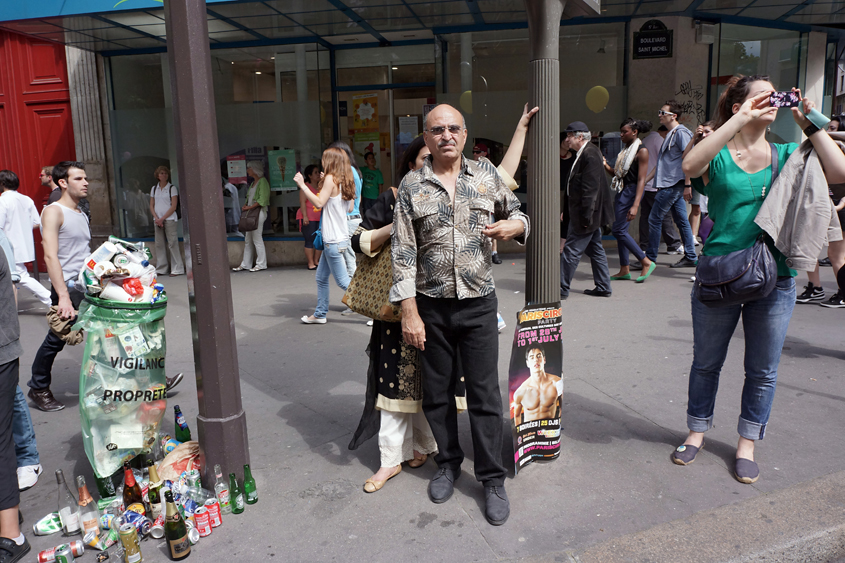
[{"x": 66, "y": 238}]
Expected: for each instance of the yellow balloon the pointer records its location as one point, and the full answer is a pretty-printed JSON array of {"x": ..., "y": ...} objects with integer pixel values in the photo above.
[
  {"x": 466, "y": 101},
  {"x": 597, "y": 99}
]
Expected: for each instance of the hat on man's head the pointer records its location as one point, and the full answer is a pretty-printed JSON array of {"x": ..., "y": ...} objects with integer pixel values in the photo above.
[
  {"x": 480, "y": 147},
  {"x": 577, "y": 126}
]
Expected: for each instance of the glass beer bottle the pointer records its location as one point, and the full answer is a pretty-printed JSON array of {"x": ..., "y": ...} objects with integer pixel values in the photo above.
[
  {"x": 132, "y": 498},
  {"x": 175, "y": 530},
  {"x": 221, "y": 489},
  {"x": 155, "y": 490},
  {"x": 250, "y": 489},
  {"x": 183, "y": 433},
  {"x": 236, "y": 496},
  {"x": 89, "y": 515},
  {"x": 68, "y": 507}
]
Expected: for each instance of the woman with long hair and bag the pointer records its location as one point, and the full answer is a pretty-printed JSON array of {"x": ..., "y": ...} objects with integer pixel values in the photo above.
[
  {"x": 735, "y": 168},
  {"x": 393, "y": 404},
  {"x": 337, "y": 189},
  {"x": 628, "y": 182}
]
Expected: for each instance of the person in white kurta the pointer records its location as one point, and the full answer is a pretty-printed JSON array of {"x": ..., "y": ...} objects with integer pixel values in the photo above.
[{"x": 18, "y": 217}]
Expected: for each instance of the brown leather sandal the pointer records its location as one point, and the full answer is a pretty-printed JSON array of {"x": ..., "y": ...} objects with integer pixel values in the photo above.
[{"x": 418, "y": 461}]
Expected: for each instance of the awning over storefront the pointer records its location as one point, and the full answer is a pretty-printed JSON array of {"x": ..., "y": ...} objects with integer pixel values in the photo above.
[{"x": 132, "y": 26}]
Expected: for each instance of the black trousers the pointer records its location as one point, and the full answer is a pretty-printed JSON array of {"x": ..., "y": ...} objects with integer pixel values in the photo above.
[
  {"x": 465, "y": 329},
  {"x": 9, "y": 495},
  {"x": 670, "y": 233},
  {"x": 42, "y": 365}
]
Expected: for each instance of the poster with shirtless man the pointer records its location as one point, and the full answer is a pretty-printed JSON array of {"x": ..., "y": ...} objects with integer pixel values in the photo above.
[{"x": 536, "y": 385}]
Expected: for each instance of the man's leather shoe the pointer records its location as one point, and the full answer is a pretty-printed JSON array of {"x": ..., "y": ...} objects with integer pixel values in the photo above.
[
  {"x": 498, "y": 507},
  {"x": 496, "y": 259},
  {"x": 684, "y": 263},
  {"x": 10, "y": 552},
  {"x": 596, "y": 292},
  {"x": 442, "y": 485},
  {"x": 44, "y": 400}
]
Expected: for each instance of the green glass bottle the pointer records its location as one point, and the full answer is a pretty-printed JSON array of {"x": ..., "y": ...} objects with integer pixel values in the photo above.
[
  {"x": 175, "y": 530},
  {"x": 250, "y": 488},
  {"x": 183, "y": 433},
  {"x": 236, "y": 494}
]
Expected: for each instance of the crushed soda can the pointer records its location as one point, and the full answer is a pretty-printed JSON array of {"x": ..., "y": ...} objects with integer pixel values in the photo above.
[
  {"x": 194, "y": 478},
  {"x": 157, "y": 530},
  {"x": 102, "y": 556},
  {"x": 190, "y": 506},
  {"x": 101, "y": 542},
  {"x": 141, "y": 523},
  {"x": 50, "y": 524},
  {"x": 193, "y": 533},
  {"x": 107, "y": 521}
]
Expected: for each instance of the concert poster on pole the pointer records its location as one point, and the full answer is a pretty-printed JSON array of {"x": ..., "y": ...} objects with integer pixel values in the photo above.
[{"x": 535, "y": 385}]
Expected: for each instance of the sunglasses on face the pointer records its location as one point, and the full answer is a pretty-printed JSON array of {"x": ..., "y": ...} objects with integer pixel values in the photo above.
[
  {"x": 661, "y": 113},
  {"x": 438, "y": 130},
  {"x": 477, "y": 151}
]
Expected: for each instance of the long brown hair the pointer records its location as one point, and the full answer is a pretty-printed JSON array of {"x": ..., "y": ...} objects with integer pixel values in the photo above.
[
  {"x": 736, "y": 92},
  {"x": 336, "y": 164}
]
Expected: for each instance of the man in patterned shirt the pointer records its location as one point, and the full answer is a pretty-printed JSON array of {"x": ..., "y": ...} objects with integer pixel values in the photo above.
[{"x": 442, "y": 276}]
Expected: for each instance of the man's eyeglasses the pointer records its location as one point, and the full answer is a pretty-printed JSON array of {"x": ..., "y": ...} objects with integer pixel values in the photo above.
[
  {"x": 438, "y": 130},
  {"x": 661, "y": 113},
  {"x": 477, "y": 151}
]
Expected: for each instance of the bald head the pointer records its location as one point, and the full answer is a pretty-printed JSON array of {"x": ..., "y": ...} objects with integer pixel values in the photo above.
[{"x": 445, "y": 134}]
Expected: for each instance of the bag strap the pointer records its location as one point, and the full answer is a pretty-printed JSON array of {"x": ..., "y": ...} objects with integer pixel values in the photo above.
[{"x": 775, "y": 163}]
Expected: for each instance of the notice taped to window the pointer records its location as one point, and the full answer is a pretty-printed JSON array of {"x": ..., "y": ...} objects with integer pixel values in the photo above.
[{"x": 535, "y": 385}]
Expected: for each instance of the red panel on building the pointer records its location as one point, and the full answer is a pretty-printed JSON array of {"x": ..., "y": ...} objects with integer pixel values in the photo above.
[{"x": 36, "y": 128}]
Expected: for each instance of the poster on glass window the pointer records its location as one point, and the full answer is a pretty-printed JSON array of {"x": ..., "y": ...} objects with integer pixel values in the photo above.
[
  {"x": 365, "y": 113},
  {"x": 282, "y": 170},
  {"x": 535, "y": 385}
]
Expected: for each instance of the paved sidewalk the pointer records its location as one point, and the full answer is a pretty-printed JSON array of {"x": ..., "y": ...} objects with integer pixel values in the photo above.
[{"x": 613, "y": 495}]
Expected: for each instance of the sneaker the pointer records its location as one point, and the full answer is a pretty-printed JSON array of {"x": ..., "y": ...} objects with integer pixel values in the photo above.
[
  {"x": 171, "y": 382},
  {"x": 346, "y": 312},
  {"x": 502, "y": 325},
  {"x": 696, "y": 242},
  {"x": 312, "y": 320},
  {"x": 496, "y": 259},
  {"x": 370, "y": 322},
  {"x": 684, "y": 263},
  {"x": 812, "y": 294},
  {"x": 825, "y": 262},
  {"x": 835, "y": 302},
  {"x": 676, "y": 250},
  {"x": 28, "y": 476}
]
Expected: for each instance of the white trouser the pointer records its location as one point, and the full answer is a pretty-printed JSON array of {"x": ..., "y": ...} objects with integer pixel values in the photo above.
[
  {"x": 33, "y": 285},
  {"x": 255, "y": 237},
  {"x": 400, "y": 434},
  {"x": 168, "y": 238}
]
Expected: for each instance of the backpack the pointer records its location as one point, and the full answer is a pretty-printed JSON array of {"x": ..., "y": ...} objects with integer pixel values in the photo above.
[{"x": 178, "y": 203}]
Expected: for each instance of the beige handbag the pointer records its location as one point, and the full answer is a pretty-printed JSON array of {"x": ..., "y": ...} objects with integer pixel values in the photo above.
[{"x": 369, "y": 289}]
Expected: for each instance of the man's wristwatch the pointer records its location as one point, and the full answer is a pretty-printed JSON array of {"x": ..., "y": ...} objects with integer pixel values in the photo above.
[
  {"x": 811, "y": 129},
  {"x": 687, "y": 185}
]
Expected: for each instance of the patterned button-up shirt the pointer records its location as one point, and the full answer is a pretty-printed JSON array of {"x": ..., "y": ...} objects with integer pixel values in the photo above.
[{"x": 439, "y": 249}]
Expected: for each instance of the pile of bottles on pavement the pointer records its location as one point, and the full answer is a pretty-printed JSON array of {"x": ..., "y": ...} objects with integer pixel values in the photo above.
[
  {"x": 144, "y": 506},
  {"x": 120, "y": 271}
]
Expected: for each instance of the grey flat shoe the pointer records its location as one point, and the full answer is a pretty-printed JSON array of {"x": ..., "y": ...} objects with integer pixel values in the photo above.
[
  {"x": 685, "y": 454},
  {"x": 746, "y": 471}
]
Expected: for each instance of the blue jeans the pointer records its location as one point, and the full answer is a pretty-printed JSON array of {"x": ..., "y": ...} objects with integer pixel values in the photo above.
[
  {"x": 764, "y": 323},
  {"x": 349, "y": 254},
  {"x": 625, "y": 243},
  {"x": 331, "y": 262},
  {"x": 23, "y": 432},
  {"x": 666, "y": 200}
]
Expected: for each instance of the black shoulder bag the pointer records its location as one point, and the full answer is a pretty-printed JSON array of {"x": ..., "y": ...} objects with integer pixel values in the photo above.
[{"x": 741, "y": 276}]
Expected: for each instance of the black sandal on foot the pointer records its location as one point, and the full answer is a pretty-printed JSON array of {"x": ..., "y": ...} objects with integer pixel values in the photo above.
[
  {"x": 746, "y": 471},
  {"x": 685, "y": 454}
]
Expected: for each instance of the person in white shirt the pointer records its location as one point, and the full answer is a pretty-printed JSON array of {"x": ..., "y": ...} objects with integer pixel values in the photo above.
[
  {"x": 18, "y": 217},
  {"x": 163, "y": 200}
]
